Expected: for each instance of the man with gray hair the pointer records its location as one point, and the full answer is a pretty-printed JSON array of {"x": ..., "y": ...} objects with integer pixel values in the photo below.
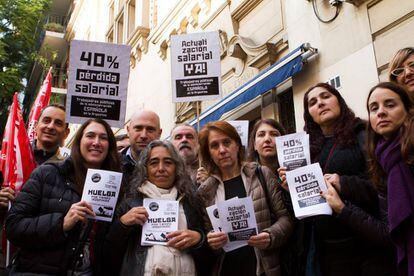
[{"x": 184, "y": 137}]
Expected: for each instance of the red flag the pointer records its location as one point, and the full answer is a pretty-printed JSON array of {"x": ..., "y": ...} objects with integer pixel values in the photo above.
[
  {"x": 42, "y": 100},
  {"x": 17, "y": 160}
]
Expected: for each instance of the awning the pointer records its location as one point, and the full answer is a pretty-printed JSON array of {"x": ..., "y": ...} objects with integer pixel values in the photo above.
[{"x": 269, "y": 78}]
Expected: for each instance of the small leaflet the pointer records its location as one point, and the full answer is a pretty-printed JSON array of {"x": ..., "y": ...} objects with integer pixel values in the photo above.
[
  {"x": 101, "y": 190},
  {"x": 293, "y": 150},
  {"x": 162, "y": 220},
  {"x": 305, "y": 185}
]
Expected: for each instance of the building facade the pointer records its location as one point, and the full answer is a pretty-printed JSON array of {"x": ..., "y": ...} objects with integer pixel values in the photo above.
[{"x": 354, "y": 48}]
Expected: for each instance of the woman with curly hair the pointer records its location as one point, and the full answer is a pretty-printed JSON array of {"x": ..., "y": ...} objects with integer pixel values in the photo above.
[
  {"x": 160, "y": 174},
  {"x": 402, "y": 69},
  {"x": 391, "y": 152}
]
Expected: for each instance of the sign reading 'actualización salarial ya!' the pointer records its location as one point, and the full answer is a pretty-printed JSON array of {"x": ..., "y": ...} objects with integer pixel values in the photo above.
[
  {"x": 195, "y": 67},
  {"x": 98, "y": 82}
]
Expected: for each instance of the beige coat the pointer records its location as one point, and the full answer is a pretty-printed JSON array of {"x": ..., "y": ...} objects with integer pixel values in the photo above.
[{"x": 279, "y": 231}]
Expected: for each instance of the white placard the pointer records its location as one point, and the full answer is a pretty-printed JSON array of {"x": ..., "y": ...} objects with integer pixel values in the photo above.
[
  {"x": 64, "y": 151},
  {"x": 195, "y": 67},
  {"x": 237, "y": 218},
  {"x": 101, "y": 190},
  {"x": 242, "y": 128},
  {"x": 98, "y": 82},
  {"x": 213, "y": 215},
  {"x": 293, "y": 150},
  {"x": 162, "y": 220},
  {"x": 305, "y": 185}
]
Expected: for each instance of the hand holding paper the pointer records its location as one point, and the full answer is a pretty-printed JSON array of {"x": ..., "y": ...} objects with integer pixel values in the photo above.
[
  {"x": 135, "y": 216},
  {"x": 217, "y": 240},
  {"x": 261, "y": 241},
  {"x": 183, "y": 239},
  {"x": 77, "y": 212},
  {"x": 333, "y": 198}
]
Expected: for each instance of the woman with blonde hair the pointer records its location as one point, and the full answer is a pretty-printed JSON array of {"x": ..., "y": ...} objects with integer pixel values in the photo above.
[{"x": 402, "y": 69}]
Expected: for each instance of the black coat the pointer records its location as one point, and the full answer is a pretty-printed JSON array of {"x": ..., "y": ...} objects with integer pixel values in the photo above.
[
  {"x": 35, "y": 221},
  {"x": 123, "y": 250}
]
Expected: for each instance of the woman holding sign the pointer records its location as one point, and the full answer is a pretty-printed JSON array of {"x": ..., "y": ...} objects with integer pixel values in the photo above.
[
  {"x": 336, "y": 139},
  {"x": 48, "y": 221},
  {"x": 222, "y": 155},
  {"x": 159, "y": 176}
]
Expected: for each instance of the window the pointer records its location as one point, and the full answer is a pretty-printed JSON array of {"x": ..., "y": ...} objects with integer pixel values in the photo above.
[{"x": 287, "y": 110}]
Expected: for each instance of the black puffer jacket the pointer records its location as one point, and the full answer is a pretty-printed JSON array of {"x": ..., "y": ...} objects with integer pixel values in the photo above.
[{"x": 35, "y": 221}]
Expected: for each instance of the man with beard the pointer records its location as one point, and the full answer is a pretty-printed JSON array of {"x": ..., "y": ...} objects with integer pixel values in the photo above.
[{"x": 185, "y": 139}]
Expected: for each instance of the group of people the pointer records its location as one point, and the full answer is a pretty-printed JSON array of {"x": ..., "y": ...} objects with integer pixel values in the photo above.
[{"x": 368, "y": 168}]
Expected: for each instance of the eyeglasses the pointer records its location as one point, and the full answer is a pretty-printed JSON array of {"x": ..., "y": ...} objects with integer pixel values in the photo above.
[{"x": 398, "y": 71}]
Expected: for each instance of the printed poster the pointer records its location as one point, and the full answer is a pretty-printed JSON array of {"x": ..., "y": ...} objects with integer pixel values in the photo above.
[
  {"x": 213, "y": 214},
  {"x": 238, "y": 219},
  {"x": 98, "y": 82},
  {"x": 242, "y": 127},
  {"x": 162, "y": 220},
  {"x": 101, "y": 190},
  {"x": 305, "y": 185},
  {"x": 293, "y": 150},
  {"x": 195, "y": 67}
]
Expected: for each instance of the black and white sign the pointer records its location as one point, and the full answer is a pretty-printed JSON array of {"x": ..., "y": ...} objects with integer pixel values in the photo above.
[
  {"x": 214, "y": 217},
  {"x": 162, "y": 219},
  {"x": 98, "y": 81},
  {"x": 293, "y": 150},
  {"x": 195, "y": 67},
  {"x": 242, "y": 128},
  {"x": 305, "y": 184},
  {"x": 101, "y": 190},
  {"x": 237, "y": 218}
]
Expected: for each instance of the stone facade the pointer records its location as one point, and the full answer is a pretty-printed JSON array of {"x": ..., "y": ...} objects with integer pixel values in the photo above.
[{"x": 356, "y": 47}]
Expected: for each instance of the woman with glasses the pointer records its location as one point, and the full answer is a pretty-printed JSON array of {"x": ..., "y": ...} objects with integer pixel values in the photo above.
[{"x": 402, "y": 69}]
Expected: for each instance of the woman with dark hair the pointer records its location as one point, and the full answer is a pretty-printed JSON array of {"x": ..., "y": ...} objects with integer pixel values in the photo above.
[
  {"x": 222, "y": 155},
  {"x": 48, "y": 221},
  {"x": 391, "y": 152},
  {"x": 262, "y": 145},
  {"x": 160, "y": 174},
  {"x": 402, "y": 69},
  {"x": 337, "y": 143}
]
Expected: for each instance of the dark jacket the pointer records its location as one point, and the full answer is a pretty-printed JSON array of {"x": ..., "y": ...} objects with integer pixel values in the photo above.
[
  {"x": 333, "y": 245},
  {"x": 279, "y": 230},
  {"x": 123, "y": 253},
  {"x": 35, "y": 221},
  {"x": 128, "y": 167}
]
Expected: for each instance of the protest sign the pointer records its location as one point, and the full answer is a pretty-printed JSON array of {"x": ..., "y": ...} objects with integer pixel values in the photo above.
[
  {"x": 242, "y": 127},
  {"x": 98, "y": 81},
  {"x": 305, "y": 184},
  {"x": 237, "y": 218},
  {"x": 293, "y": 150},
  {"x": 213, "y": 214},
  {"x": 101, "y": 190},
  {"x": 195, "y": 67},
  {"x": 162, "y": 219}
]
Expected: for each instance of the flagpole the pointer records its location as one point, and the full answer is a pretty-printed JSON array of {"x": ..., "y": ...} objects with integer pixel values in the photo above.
[{"x": 198, "y": 127}]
